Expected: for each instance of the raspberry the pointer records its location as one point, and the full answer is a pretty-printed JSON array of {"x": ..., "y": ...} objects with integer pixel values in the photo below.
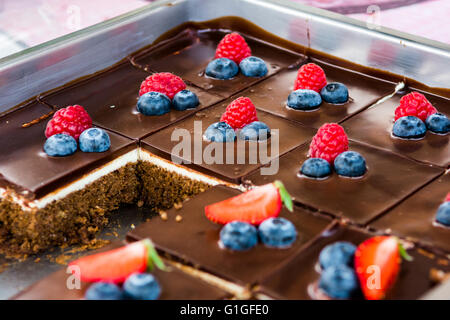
[
  {"x": 310, "y": 76},
  {"x": 414, "y": 104},
  {"x": 233, "y": 47},
  {"x": 72, "y": 120},
  {"x": 329, "y": 141},
  {"x": 239, "y": 113},
  {"x": 164, "y": 82}
]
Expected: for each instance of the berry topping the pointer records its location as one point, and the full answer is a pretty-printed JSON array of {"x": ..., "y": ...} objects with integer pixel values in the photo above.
[
  {"x": 60, "y": 145},
  {"x": 153, "y": 104},
  {"x": 234, "y": 47},
  {"x": 350, "y": 164},
  {"x": 304, "y": 99},
  {"x": 239, "y": 113},
  {"x": 220, "y": 132},
  {"x": 257, "y": 130},
  {"x": 238, "y": 235},
  {"x": 164, "y": 82},
  {"x": 339, "y": 282},
  {"x": 253, "y": 67},
  {"x": 334, "y": 92},
  {"x": 222, "y": 68},
  {"x": 277, "y": 232},
  {"x": 141, "y": 286},
  {"x": 438, "y": 123},
  {"x": 310, "y": 76},
  {"x": 414, "y": 104},
  {"x": 185, "y": 99},
  {"x": 338, "y": 253},
  {"x": 443, "y": 214},
  {"x": 94, "y": 140},
  {"x": 409, "y": 127},
  {"x": 329, "y": 141},
  {"x": 104, "y": 291},
  {"x": 316, "y": 168},
  {"x": 72, "y": 120}
]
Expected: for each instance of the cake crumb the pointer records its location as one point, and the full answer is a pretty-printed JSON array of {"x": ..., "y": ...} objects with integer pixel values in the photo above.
[
  {"x": 178, "y": 218},
  {"x": 426, "y": 253},
  {"x": 442, "y": 262},
  {"x": 178, "y": 205},
  {"x": 163, "y": 215},
  {"x": 438, "y": 276},
  {"x": 140, "y": 204},
  {"x": 37, "y": 260}
]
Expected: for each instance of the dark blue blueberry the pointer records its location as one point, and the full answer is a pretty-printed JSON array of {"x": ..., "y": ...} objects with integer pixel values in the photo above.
[
  {"x": 338, "y": 253},
  {"x": 94, "y": 140},
  {"x": 443, "y": 214},
  {"x": 256, "y": 130},
  {"x": 104, "y": 291},
  {"x": 350, "y": 164},
  {"x": 141, "y": 286},
  {"x": 185, "y": 99},
  {"x": 304, "y": 99},
  {"x": 277, "y": 232},
  {"x": 222, "y": 68},
  {"x": 239, "y": 236},
  {"x": 60, "y": 145},
  {"x": 220, "y": 132},
  {"x": 409, "y": 127},
  {"x": 316, "y": 168},
  {"x": 339, "y": 282},
  {"x": 438, "y": 123},
  {"x": 153, "y": 104},
  {"x": 334, "y": 92},
  {"x": 253, "y": 67}
]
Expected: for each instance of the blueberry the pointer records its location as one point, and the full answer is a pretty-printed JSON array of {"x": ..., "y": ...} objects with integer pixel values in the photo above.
[
  {"x": 443, "y": 214},
  {"x": 339, "y": 282},
  {"x": 316, "y": 168},
  {"x": 141, "y": 286},
  {"x": 239, "y": 236},
  {"x": 338, "y": 253},
  {"x": 153, "y": 104},
  {"x": 304, "y": 99},
  {"x": 185, "y": 99},
  {"x": 277, "y": 232},
  {"x": 409, "y": 127},
  {"x": 334, "y": 92},
  {"x": 438, "y": 123},
  {"x": 60, "y": 145},
  {"x": 94, "y": 140},
  {"x": 256, "y": 130},
  {"x": 253, "y": 67},
  {"x": 104, "y": 291},
  {"x": 350, "y": 164},
  {"x": 220, "y": 132},
  {"x": 222, "y": 68}
]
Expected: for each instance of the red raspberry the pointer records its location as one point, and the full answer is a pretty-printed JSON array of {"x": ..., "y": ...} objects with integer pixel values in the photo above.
[
  {"x": 164, "y": 82},
  {"x": 233, "y": 47},
  {"x": 329, "y": 141},
  {"x": 239, "y": 113},
  {"x": 72, "y": 120},
  {"x": 310, "y": 76},
  {"x": 414, "y": 104}
]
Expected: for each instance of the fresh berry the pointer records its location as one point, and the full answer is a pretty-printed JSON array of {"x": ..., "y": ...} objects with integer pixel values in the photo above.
[
  {"x": 316, "y": 168},
  {"x": 72, "y": 120},
  {"x": 234, "y": 47},
  {"x": 222, "y": 69},
  {"x": 253, "y": 67},
  {"x": 409, "y": 127},
  {"x": 335, "y": 92},
  {"x": 310, "y": 76},
  {"x": 164, "y": 82},
  {"x": 185, "y": 99},
  {"x": 329, "y": 141},
  {"x": 414, "y": 104},
  {"x": 94, "y": 140},
  {"x": 141, "y": 286},
  {"x": 153, "y": 104},
  {"x": 239, "y": 113},
  {"x": 253, "y": 206},
  {"x": 60, "y": 145},
  {"x": 277, "y": 232},
  {"x": 339, "y": 282},
  {"x": 338, "y": 253},
  {"x": 443, "y": 214},
  {"x": 220, "y": 132},
  {"x": 447, "y": 198},
  {"x": 304, "y": 99},
  {"x": 257, "y": 131},
  {"x": 104, "y": 291},
  {"x": 350, "y": 164},
  {"x": 238, "y": 235},
  {"x": 438, "y": 123}
]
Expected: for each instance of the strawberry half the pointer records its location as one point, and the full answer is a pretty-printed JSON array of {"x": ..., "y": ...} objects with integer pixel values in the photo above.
[{"x": 253, "y": 206}]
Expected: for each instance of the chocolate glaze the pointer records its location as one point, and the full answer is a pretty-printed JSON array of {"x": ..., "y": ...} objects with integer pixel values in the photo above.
[{"x": 195, "y": 239}]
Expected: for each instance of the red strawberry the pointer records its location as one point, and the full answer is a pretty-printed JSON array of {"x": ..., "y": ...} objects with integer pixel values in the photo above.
[
  {"x": 164, "y": 82},
  {"x": 414, "y": 104},
  {"x": 239, "y": 113},
  {"x": 329, "y": 141},
  {"x": 253, "y": 206},
  {"x": 310, "y": 76},
  {"x": 447, "y": 198},
  {"x": 233, "y": 47},
  {"x": 72, "y": 120}
]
